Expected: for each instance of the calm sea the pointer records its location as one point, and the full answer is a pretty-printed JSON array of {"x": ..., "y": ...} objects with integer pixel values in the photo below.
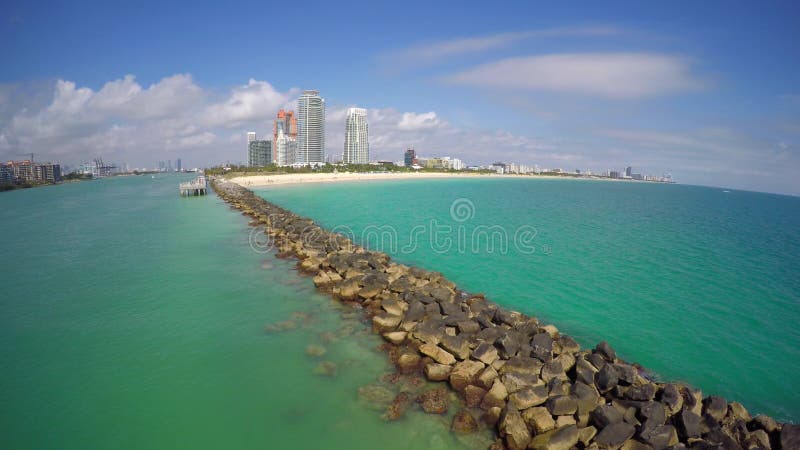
[
  {"x": 697, "y": 284},
  {"x": 132, "y": 318}
]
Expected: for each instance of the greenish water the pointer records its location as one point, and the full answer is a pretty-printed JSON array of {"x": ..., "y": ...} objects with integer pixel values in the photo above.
[
  {"x": 132, "y": 318},
  {"x": 696, "y": 284}
]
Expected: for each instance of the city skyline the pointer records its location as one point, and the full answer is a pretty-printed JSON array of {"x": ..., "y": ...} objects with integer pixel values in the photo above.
[{"x": 645, "y": 85}]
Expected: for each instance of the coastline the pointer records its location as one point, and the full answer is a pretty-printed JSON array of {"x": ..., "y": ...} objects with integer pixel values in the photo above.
[
  {"x": 526, "y": 381},
  {"x": 257, "y": 181}
]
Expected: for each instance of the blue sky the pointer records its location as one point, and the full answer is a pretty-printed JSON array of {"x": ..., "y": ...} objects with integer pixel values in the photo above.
[{"x": 707, "y": 91}]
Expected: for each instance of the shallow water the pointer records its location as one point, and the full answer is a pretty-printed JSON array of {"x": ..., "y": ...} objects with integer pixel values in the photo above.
[
  {"x": 133, "y": 318},
  {"x": 696, "y": 284}
]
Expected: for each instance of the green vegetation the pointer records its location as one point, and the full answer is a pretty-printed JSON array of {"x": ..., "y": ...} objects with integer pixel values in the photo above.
[{"x": 77, "y": 176}]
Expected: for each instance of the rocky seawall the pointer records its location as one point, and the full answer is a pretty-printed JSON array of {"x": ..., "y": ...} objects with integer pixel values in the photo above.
[{"x": 532, "y": 385}]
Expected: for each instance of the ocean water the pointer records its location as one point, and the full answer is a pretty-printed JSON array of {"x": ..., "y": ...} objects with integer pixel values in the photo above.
[
  {"x": 696, "y": 284},
  {"x": 133, "y": 318}
]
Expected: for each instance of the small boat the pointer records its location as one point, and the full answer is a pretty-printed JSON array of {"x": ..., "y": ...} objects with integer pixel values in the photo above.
[{"x": 727, "y": 192}]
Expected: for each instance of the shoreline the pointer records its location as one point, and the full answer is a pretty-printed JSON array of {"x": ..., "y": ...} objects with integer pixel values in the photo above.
[
  {"x": 533, "y": 386},
  {"x": 258, "y": 181}
]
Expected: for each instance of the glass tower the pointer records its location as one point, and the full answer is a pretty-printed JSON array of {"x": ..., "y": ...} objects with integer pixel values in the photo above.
[
  {"x": 310, "y": 128},
  {"x": 356, "y": 137}
]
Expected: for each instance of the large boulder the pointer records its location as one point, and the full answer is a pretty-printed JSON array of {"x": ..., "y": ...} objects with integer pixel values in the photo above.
[
  {"x": 485, "y": 353},
  {"x": 605, "y": 350},
  {"x": 562, "y": 405},
  {"x": 437, "y": 354},
  {"x": 513, "y": 429},
  {"x": 563, "y": 438},
  {"x": 660, "y": 437},
  {"x": 464, "y": 373},
  {"x": 456, "y": 345},
  {"x": 496, "y": 396},
  {"x": 688, "y": 424},
  {"x": 605, "y": 415},
  {"x": 437, "y": 372},
  {"x": 715, "y": 407},
  {"x": 529, "y": 396},
  {"x": 671, "y": 398},
  {"x": 607, "y": 378},
  {"x": 539, "y": 419},
  {"x": 542, "y": 347},
  {"x": 386, "y": 322},
  {"x": 790, "y": 436},
  {"x": 614, "y": 435}
]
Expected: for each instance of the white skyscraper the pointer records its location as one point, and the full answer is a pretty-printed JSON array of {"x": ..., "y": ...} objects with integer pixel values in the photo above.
[
  {"x": 310, "y": 128},
  {"x": 285, "y": 149},
  {"x": 356, "y": 137}
]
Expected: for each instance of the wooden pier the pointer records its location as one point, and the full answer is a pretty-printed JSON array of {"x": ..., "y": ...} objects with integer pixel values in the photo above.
[{"x": 194, "y": 188}]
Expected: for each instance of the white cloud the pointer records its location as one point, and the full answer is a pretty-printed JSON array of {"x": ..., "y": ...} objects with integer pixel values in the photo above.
[
  {"x": 413, "y": 121},
  {"x": 611, "y": 75},
  {"x": 434, "y": 52}
]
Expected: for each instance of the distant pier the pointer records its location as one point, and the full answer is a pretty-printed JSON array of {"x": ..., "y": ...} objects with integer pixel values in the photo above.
[{"x": 194, "y": 188}]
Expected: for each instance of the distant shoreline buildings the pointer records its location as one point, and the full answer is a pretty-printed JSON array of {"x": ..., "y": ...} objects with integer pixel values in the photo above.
[{"x": 356, "y": 137}]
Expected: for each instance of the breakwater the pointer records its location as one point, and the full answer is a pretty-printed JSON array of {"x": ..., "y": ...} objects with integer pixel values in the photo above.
[{"x": 534, "y": 386}]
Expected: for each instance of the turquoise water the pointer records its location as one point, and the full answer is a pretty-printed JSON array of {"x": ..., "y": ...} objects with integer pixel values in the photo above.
[
  {"x": 133, "y": 318},
  {"x": 696, "y": 284}
]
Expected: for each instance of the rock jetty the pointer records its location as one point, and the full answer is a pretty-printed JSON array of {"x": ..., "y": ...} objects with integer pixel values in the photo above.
[{"x": 534, "y": 386}]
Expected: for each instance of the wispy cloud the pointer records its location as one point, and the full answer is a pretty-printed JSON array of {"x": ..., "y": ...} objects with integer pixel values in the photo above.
[
  {"x": 434, "y": 52},
  {"x": 610, "y": 75}
]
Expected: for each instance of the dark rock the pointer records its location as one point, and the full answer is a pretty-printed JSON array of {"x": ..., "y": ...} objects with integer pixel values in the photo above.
[
  {"x": 522, "y": 365},
  {"x": 451, "y": 309},
  {"x": 489, "y": 335},
  {"x": 542, "y": 347},
  {"x": 485, "y": 353},
  {"x": 567, "y": 344},
  {"x": 671, "y": 397},
  {"x": 688, "y": 424},
  {"x": 456, "y": 345},
  {"x": 605, "y": 350},
  {"x": 614, "y": 435},
  {"x": 415, "y": 312},
  {"x": 496, "y": 396},
  {"x": 715, "y": 407},
  {"x": 468, "y": 327},
  {"x": 511, "y": 318},
  {"x": 660, "y": 437},
  {"x": 652, "y": 414},
  {"x": 642, "y": 393},
  {"x": 434, "y": 401},
  {"x": 586, "y": 396},
  {"x": 463, "y": 422},
  {"x": 605, "y": 415},
  {"x": 562, "y": 405},
  {"x": 529, "y": 396},
  {"x": 627, "y": 373},
  {"x": 790, "y": 437},
  {"x": 510, "y": 342},
  {"x": 553, "y": 370},
  {"x": 720, "y": 439},
  {"x": 766, "y": 423},
  {"x": 584, "y": 371},
  {"x": 607, "y": 378},
  {"x": 596, "y": 360},
  {"x": 514, "y": 382}
]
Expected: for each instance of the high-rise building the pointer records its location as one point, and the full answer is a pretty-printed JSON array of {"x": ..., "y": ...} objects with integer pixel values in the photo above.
[
  {"x": 259, "y": 153},
  {"x": 310, "y": 128},
  {"x": 409, "y": 157},
  {"x": 285, "y": 153},
  {"x": 356, "y": 137},
  {"x": 628, "y": 171},
  {"x": 285, "y": 121},
  {"x": 179, "y": 166}
]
